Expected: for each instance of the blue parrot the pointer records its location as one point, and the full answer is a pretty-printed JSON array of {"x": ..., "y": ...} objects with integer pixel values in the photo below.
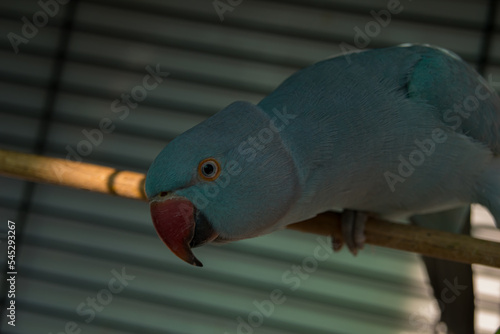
[{"x": 406, "y": 133}]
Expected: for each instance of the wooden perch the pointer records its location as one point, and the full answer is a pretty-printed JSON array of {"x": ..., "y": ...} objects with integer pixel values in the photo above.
[{"x": 108, "y": 180}]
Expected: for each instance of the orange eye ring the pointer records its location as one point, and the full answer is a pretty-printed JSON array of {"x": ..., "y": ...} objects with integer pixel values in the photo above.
[{"x": 209, "y": 169}]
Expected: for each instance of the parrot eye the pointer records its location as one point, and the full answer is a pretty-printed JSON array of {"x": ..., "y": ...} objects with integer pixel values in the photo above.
[{"x": 209, "y": 169}]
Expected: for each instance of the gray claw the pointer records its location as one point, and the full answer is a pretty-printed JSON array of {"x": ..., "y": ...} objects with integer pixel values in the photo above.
[{"x": 353, "y": 227}]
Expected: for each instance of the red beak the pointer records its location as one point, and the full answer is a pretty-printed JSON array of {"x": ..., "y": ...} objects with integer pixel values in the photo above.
[{"x": 175, "y": 222}]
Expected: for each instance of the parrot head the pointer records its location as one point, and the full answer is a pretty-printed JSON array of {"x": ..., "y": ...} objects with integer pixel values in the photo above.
[{"x": 228, "y": 178}]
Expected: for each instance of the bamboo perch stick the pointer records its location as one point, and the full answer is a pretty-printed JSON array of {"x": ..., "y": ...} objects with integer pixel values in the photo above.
[
  {"x": 129, "y": 184},
  {"x": 72, "y": 174}
]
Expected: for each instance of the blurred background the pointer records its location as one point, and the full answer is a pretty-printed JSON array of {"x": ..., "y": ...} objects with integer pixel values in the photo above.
[{"x": 91, "y": 263}]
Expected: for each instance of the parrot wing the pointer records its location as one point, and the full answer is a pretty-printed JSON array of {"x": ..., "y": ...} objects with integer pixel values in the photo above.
[
  {"x": 472, "y": 109},
  {"x": 467, "y": 104}
]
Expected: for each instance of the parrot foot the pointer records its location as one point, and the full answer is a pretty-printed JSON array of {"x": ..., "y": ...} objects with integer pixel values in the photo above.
[{"x": 352, "y": 227}]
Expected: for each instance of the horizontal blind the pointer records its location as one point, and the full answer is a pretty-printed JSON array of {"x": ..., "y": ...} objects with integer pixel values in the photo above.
[{"x": 74, "y": 242}]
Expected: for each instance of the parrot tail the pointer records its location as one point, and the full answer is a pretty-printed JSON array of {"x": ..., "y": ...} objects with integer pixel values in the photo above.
[
  {"x": 457, "y": 312},
  {"x": 489, "y": 190}
]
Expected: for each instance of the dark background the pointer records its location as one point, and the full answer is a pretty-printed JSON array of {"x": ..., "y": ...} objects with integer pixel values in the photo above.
[{"x": 64, "y": 80}]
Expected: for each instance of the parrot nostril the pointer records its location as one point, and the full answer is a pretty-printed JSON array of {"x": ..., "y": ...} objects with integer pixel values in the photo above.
[{"x": 163, "y": 194}]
